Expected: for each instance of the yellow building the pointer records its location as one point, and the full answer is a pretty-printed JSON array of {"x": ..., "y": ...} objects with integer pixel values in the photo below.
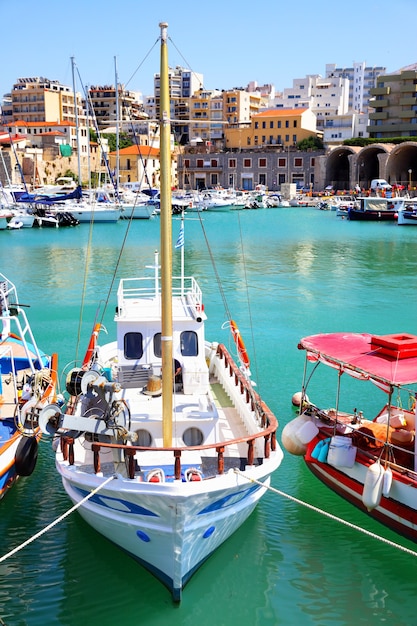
[
  {"x": 137, "y": 164},
  {"x": 273, "y": 127}
]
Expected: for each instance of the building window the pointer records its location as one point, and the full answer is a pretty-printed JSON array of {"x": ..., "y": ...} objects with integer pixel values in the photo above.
[
  {"x": 187, "y": 163},
  {"x": 287, "y": 138},
  {"x": 298, "y": 162},
  {"x": 263, "y": 124},
  {"x": 232, "y": 163},
  {"x": 262, "y": 162},
  {"x": 262, "y": 179},
  {"x": 200, "y": 163},
  {"x": 295, "y": 123},
  {"x": 282, "y": 162},
  {"x": 214, "y": 179},
  {"x": 312, "y": 161},
  {"x": 247, "y": 162},
  {"x": 256, "y": 125},
  {"x": 214, "y": 163},
  {"x": 287, "y": 124},
  {"x": 279, "y": 124},
  {"x": 294, "y": 138},
  {"x": 271, "y": 124}
]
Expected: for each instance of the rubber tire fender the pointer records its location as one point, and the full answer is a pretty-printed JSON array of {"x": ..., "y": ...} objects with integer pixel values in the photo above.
[{"x": 26, "y": 456}]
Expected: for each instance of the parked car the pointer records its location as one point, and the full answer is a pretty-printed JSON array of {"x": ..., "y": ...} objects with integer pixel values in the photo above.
[{"x": 380, "y": 184}]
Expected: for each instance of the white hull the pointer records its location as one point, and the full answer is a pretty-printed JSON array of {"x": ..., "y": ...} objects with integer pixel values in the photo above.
[
  {"x": 170, "y": 528},
  {"x": 95, "y": 214}
]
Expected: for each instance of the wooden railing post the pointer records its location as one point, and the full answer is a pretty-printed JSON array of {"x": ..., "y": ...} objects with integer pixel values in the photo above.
[
  {"x": 220, "y": 459},
  {"x": 250, "y": 452},
  {"x": 177, "y": 455},
  {"x": 71, "y": 451},
  {"x": 267, "y": 449}
]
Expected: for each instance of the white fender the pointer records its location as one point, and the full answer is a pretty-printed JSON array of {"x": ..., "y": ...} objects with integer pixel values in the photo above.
[
  {"x": 387, "y": 482},
  {"x": 372, "y": 489}
]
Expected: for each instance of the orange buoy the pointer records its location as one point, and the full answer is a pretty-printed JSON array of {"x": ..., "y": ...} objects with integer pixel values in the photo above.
[{"x": 243, "y": 355}]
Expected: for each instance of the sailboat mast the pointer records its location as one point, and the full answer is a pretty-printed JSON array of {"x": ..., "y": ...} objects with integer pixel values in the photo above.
[
  {"x": 166, "y": 241},
  {"x": 77, "y": 125}
]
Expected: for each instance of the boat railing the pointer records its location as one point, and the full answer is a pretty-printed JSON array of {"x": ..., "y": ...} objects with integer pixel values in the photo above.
[
  {"x": 149, "y": 287},
  {"x": 267, "y": 430}
]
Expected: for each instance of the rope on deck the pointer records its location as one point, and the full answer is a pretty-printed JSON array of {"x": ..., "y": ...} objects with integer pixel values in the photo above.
[
  {"x": 329, "y": 515},
  {"x": 57, "y": 521}
]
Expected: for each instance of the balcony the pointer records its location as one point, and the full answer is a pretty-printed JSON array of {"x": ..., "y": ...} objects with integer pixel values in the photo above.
[
  {"x": 380, "y": 91},
  {"x": 382, "y": 115}
]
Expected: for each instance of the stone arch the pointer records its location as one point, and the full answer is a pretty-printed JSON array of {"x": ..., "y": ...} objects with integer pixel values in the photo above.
[
  {"x": 369, "y": 163},
  {"x": 338, "y": 167},
  {"x": 402, "y": 159}
]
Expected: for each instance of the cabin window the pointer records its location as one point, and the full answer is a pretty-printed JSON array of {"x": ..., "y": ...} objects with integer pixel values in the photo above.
[
  {"x": 189, "y": 343},
  {"x": 157, "y": 350},
  {"x": 133, "y": 345}
]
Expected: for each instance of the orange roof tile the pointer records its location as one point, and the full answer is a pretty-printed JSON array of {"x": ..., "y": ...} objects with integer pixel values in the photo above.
[
  {"x": 280, "y": 112},
  {"x": 145, "y": 151},
  {"x": 43, "y": 124}
]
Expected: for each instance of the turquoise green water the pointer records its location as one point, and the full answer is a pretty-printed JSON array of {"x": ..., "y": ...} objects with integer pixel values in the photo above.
[{"x": 286, "y": 273}]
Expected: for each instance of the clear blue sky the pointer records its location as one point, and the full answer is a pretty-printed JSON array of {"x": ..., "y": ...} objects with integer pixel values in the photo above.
[{"x": 230, "y": 42}]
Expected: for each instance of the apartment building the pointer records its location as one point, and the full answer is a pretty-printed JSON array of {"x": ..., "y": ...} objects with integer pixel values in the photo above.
[
  {"x": 273, "y": 128},
  {"x": 39, "y": 99},
  {"x": 361, "y": 80},
  {"x": 110, "y": 105},
  {"x": 394, "y": 105}
]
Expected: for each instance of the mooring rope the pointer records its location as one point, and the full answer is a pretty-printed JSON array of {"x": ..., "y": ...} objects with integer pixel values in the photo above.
[
  {"x": 57, "y": 521},
  {"x": 326, "y": 514}
]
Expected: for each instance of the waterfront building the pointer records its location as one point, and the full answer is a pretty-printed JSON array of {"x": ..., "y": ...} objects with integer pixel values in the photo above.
[
  {"x": 361, "y": 80},
  {"x": 338, "y": 128},
  {"x": 39, "y": 99},
  {"x": 394, "y": 105},
  {"x": 246, "y": 169},
  {"x": 110, "y": 106},
  {"x": 138, "y": 164},
  {"x": 275, "y": 128},
  {"x": 183, "y": 83}
]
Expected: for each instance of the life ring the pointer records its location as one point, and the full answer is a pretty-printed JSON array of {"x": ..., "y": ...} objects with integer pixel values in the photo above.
[
  {"x": 243, "y": 355},
  {"x": 26, "y": 456},
  {"x": 91, "y": 345},
  {"x": 193, "y": 474}
]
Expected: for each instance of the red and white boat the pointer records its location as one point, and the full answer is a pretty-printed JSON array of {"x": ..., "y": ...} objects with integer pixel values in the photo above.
[{"x": 366, "y": 456}]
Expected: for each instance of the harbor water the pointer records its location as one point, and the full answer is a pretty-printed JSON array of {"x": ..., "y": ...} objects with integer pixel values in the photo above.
[{"x": 285, "y": 273}]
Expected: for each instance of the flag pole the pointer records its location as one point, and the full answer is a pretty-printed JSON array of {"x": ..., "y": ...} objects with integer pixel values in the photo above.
[{"x": 182, "y": 253}]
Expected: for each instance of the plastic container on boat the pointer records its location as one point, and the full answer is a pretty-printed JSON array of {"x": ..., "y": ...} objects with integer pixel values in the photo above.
[
  {"x": 307, "y": 432},
  {"x": 342, "y": 453}
]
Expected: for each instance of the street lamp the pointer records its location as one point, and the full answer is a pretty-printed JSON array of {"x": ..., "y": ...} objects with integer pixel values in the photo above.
[{"x": 409, "y": 179}]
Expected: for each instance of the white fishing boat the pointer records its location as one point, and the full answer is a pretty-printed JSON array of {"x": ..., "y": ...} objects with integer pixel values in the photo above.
[
  {"x": 163, "y": 434},
  {"x": 27, "y": 383},
  {"x": 407, "y": 215},
  {"x": 366, "y": 455}
]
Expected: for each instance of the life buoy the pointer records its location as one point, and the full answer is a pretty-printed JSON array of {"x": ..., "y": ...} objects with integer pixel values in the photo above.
[
  {"x": 91, "y": 345},
  {"x": 243, "y": 355},
  {"x": 26, "y": 456}
]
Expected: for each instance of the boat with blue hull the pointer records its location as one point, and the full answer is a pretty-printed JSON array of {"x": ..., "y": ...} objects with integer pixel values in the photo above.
[{"x": 28, "y": 379}]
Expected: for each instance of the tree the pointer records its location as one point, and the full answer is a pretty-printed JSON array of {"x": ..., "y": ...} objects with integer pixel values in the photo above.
[
  {"x": 124, "y": 140},
  {"x": 310, "y": 143}
]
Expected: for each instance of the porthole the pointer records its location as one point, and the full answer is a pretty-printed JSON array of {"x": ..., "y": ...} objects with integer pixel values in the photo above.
[
  {"x": 193, "y": 437},
  {"x": 144, "y": 438}
]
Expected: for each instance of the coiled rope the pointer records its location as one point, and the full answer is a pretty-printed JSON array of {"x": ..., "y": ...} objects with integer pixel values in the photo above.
[
  {"x": 55, "y": 522},
  {"x": 329, "y": 515}
]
